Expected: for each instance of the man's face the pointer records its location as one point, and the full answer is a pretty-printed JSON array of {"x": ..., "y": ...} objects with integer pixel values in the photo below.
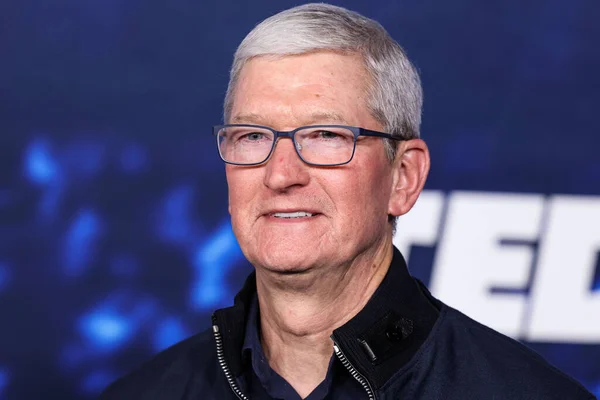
[{"x": 349, "y": 203}]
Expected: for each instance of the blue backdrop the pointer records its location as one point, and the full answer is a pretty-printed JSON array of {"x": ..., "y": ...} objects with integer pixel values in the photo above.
[{"x": 115, "y": 240}]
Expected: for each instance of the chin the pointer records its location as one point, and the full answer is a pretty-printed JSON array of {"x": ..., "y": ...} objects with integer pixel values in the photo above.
[
  {"x": 289, "y": 271},
  {"x": 287, "y": 261}
]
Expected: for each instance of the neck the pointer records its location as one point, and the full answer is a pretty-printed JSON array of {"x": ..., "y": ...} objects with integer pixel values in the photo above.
[{"x": 297, "y": 320}]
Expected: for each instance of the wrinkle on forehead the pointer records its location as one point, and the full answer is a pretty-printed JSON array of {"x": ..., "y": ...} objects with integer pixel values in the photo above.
[
  {"x": 317, "y": 117},
  {"x": 327, "y": 88}
]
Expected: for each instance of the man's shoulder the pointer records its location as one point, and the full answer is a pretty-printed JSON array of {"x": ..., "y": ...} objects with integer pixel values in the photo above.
[
  {"x": 166, "y": 372},
  {"x": 500, "y": 362}
]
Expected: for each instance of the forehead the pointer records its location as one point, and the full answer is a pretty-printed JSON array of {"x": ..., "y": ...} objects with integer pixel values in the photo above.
[{"x": 304, "y": 89}]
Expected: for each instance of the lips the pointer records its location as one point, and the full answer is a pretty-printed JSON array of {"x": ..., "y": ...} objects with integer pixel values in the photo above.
[
  {"x": 295, "y": 214},
  {"x": 291, "y": 213}
]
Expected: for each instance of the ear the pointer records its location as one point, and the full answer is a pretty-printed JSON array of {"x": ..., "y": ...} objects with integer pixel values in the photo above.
[
  {"x": 228, "y": 189},
  {"x": 228, "y": 201},
  {"x": 411, "y": 166}
]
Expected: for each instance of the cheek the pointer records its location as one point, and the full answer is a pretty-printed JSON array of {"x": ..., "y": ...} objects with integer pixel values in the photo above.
[
  {"x": 368, "y": 196},
  {"x": 360, "y": 198},
  {"x": 240, "y": 190}
]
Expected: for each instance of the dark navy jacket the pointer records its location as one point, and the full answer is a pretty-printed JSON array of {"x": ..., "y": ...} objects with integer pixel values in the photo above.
[{"x": 404, "y": 344}]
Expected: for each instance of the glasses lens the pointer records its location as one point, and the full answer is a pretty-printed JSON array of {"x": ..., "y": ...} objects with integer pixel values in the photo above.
[
  {"x": 244, "y": 144},
  {"x": 325, "y": 145}
]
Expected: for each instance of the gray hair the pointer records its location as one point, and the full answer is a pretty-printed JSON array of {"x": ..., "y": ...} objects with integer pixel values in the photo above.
[{"x": 394, "y": 93}]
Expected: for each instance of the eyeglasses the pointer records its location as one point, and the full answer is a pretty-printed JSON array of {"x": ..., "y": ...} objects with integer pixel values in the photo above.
[{"x": 319, "y": 145}]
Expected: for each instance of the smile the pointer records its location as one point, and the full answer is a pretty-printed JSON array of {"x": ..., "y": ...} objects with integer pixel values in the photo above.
[{"x": 290, "y": 215}]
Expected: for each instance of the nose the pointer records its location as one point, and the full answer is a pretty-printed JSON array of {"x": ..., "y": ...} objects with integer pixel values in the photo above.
[{"x": 285, "y": 169}]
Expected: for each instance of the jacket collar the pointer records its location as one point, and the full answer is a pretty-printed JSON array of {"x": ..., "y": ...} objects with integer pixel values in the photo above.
[{"x": 378, "y": 341}]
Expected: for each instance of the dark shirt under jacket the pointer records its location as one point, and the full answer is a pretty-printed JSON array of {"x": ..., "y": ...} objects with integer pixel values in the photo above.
[{"x": 265, "y": 383}]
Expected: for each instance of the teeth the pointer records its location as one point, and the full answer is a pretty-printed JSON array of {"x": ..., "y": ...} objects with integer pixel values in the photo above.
[{"x": 297, "y": 214}]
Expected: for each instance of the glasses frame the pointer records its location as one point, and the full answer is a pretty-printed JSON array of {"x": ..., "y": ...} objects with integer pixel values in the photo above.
[{"x": 357, "y": 131}]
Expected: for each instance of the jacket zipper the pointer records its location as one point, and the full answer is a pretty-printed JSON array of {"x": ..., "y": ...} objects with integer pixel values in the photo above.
[
  {"x": 221, "y": 358},
  {"x": 338, "y": 352},
  {"x": 354, "y": 372}
]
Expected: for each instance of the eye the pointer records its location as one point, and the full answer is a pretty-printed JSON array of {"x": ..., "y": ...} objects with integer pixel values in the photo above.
[
  {"x": 248, "y": 136},
  {"x": 252, "y": 136},
  {"x": 328, "y": 134},
  {"x": 334, "y": 135}
]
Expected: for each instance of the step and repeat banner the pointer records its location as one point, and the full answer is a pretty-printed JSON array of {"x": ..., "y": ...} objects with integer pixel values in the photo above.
[{"x": 115, "y": 240}]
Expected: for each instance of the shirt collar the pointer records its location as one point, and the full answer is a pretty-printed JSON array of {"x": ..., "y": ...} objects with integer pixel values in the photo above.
[{"x": 252, "y": 348}]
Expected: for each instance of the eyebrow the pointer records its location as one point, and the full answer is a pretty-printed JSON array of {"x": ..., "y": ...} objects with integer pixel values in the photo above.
[
  {"x": 320, "y": 117},
  {"x": 246, "y": 119}
]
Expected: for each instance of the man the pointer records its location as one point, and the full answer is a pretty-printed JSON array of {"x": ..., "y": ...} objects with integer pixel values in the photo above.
[{"x": 322, "y": 153}]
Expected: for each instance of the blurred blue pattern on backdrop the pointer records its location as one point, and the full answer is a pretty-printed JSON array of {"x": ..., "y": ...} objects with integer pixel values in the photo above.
[{"x": 115, "y": 240}]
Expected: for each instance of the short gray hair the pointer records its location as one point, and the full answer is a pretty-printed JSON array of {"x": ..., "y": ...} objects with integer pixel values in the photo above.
[{"x": 395, "y": 96}]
